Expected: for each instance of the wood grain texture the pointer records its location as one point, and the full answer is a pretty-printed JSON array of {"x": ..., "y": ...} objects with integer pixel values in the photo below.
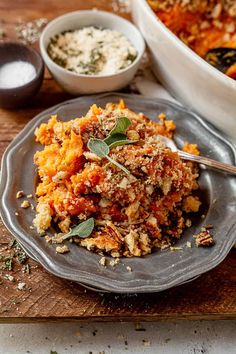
[{"x": 47, "y": 298}]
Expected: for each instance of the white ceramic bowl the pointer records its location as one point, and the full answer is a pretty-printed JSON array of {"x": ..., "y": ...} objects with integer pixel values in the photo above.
[
  {"x": 81, "y": 84},
  {"x": 187, "y": 76}
]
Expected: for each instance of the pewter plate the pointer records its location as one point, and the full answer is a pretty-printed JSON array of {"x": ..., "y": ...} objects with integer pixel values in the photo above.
[{"x": 152, "y": 273}]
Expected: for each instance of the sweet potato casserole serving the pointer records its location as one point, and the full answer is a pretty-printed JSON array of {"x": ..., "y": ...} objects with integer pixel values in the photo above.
[
  {"x": 206, "y": 26},
  {"x": 108, "y": 183}
]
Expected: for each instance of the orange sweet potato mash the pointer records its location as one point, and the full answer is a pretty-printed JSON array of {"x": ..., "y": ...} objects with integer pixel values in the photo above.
[
  {"x": 134, "y": 213},
  {"x": 201, "y": 24}
]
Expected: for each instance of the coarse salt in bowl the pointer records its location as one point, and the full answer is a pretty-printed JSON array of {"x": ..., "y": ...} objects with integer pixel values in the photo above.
[
  {"x": 21, "y": 74},
  {"x": 79, "y": 83},
  {"x": 16, "y": 74}
]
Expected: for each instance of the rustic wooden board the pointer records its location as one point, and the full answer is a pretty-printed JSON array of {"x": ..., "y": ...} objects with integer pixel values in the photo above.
[{"x": 47, "y": 298}]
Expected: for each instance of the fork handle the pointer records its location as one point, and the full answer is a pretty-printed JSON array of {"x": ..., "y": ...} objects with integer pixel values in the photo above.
[{"x": 208, "y": 162}]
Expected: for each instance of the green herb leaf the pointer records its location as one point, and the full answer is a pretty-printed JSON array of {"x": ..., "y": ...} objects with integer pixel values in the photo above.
[
  {"x": 83, "y": 230},
  {"x": 114, "y": 162},
  {"x": 101, "y": 149},
  {"x": 122, "y": 123},
  {"x": 98, "y": 147},
  {"x": 117, "y": 140},
  {"x": 121, "y": 142},
  {"x": 8, "y": 263},
  {"x": 117, "y": 135},
  {"x": 110, "y": 139}
]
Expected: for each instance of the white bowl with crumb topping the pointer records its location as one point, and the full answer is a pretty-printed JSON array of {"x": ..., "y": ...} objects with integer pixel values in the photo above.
[
  {"x": 198, "y": 85},
  {"x": 77, "y": 83}
]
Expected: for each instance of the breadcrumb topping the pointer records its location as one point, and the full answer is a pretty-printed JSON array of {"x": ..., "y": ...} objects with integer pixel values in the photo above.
[
  {"x": 200, "y": 24},
  {"x": 134, "y": 213}
]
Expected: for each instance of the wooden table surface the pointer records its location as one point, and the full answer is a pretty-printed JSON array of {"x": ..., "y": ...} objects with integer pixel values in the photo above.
[{"x": 47, "y": 298}]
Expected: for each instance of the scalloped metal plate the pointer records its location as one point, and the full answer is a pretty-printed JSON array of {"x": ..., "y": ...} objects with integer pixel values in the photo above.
[{"x": 152, "y": 273}]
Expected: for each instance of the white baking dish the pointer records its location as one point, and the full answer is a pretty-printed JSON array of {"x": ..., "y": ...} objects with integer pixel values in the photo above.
[{"x": 187, "y": 76}]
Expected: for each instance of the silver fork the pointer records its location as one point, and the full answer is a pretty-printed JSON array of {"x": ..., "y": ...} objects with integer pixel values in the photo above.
[{"x": 199, "y": 159}]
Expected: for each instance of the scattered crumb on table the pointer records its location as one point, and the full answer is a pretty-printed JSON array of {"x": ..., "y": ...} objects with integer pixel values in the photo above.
[
  {"x": 20, "y": 194},
  {"x": 25, "y": 204},
  {"x": 146, "y": 343},
  {"x": 21, "y": 286}
]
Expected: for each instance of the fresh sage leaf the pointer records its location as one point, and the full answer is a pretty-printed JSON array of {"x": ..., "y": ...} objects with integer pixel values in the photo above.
[
  {"x": 110, "y": 139},
  {"x": 98, "y": 147},
  {"x": 83, "y": 230},
  {"x": 121, "y": 142},
  {"x": 122, "y": 123},
  {"x": 118, "y": 165},
  {"x": 118, "y": 140},
  {"x": 101, "y": 149},
  {"x": 116, "y": 137}
]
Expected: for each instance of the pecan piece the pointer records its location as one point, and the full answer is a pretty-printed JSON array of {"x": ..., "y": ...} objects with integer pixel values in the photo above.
[{"x": 204, "y": 239}]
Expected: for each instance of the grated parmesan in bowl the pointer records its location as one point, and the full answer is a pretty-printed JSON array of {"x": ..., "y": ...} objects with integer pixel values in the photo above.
[{"x": 91, "y": 51}]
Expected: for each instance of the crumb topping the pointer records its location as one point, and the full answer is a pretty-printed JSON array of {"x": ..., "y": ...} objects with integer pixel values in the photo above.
[
  {"x": 134, "y": 213},
  {"x": 201, "y": 24}
]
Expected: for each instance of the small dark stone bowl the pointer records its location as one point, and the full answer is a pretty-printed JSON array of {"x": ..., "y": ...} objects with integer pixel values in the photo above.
[{"x": 21, "y": 95}]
